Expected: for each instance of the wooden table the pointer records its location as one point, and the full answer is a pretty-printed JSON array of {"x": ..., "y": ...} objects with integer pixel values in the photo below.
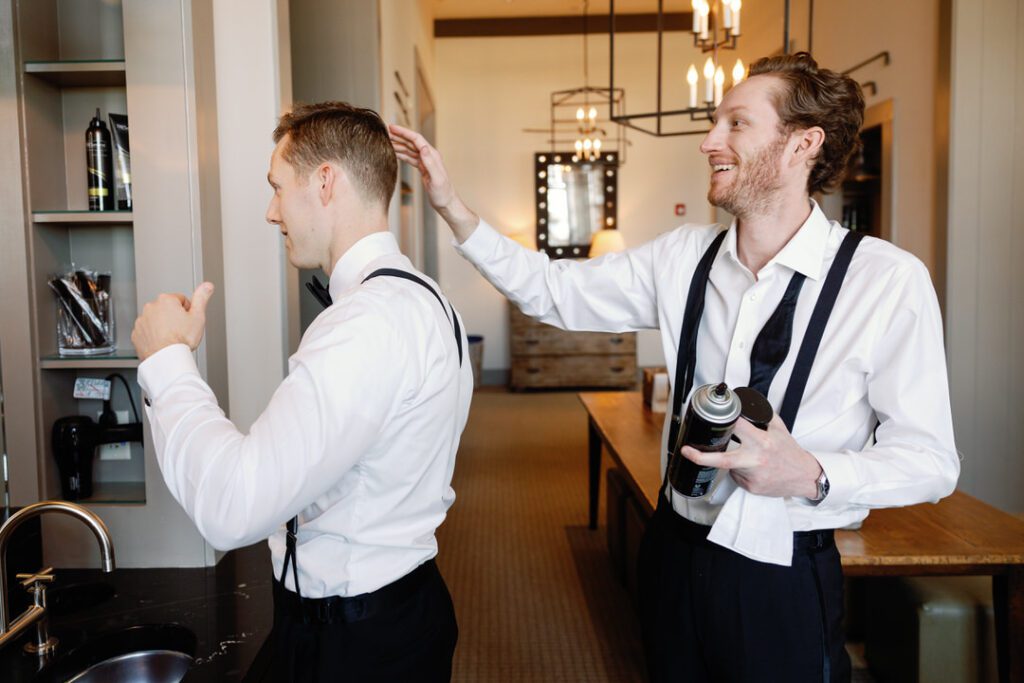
[{"x": 958, "y": 536}]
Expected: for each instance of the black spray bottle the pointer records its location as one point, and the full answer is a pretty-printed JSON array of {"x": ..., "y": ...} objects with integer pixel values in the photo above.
[{"x": 99, "y": 166}]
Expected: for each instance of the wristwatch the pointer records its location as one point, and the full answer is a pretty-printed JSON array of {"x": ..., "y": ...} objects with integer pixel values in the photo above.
[{"x": 822, "y": 484}]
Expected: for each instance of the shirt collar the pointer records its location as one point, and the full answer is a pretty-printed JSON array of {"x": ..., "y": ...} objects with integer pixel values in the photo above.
[
  {"x": 348, "y": 271},
  {"x": 805, "y": 251}
]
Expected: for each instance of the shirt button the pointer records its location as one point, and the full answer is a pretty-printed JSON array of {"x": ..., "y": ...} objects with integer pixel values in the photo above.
[
  {"x": 743, "y": 345},
  {"x": 753, "y": 297}
]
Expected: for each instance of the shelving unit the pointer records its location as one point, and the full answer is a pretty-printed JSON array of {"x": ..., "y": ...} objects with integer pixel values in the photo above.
[
  {"x": 72, "y": 218},
  {"x": 867, "y": 190},
  {"x": 153, "y": 62},
  {"x": 79, "y": 73}
]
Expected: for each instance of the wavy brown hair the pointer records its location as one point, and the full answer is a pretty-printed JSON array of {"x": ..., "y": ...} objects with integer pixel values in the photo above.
[
  {"x": 353, "y": 137},
  {"x": 811, "y": 97}
]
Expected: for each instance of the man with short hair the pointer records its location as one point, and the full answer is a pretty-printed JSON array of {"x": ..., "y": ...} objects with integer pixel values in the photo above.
[
  {"x": 842, "y": 334},
  {"x": 357, "y": 446}
]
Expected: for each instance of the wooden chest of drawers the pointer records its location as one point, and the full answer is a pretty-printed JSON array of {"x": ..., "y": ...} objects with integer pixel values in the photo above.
[{"x": 547, "y": 357}]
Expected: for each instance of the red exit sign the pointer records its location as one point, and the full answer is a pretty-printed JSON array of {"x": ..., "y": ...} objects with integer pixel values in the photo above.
[{"x": 680, "y": 209}]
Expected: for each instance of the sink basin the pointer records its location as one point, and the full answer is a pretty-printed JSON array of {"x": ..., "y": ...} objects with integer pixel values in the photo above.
[
  {"x": 154, "y": 653},
  {"x": 150, "y": 666}
]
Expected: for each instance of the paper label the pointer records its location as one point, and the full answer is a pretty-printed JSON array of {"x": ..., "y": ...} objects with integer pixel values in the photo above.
[{"x": 91, "y": 387}]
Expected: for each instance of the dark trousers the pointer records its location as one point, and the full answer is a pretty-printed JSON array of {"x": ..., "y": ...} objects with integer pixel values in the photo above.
[
  {"x": 404, "y": 632},
  {"x": 710, "y": 614}
]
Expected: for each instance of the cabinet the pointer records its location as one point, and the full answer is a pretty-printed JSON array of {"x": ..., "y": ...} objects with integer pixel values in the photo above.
[
  {"x": 59, "y": 61},
  {"x": 547, "y": 357}
]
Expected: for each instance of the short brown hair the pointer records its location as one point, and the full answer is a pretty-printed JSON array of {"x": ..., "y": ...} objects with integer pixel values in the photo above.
[
  {"x": 818, "y": 97},
  {"x": 353, "y": 137}
]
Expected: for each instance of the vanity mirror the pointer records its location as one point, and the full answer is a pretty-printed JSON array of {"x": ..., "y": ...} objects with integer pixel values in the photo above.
[{"x": 575, "y": 198}]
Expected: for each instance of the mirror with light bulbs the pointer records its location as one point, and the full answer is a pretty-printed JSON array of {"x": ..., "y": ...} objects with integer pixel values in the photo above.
[{"x": 576, "y": 197}]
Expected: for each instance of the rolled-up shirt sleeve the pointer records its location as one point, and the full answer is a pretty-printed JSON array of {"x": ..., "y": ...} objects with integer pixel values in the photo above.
[
  {"x": 914, "y": 457},
  {"x": 239, "y": 488},
  {"x": 612, "y": 293}
]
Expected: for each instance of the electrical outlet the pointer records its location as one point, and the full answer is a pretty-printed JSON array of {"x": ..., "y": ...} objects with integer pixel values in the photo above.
[{"x": 117, "y": 451}]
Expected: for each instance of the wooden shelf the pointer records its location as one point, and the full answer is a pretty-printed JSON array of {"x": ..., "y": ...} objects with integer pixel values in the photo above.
[
  {"x": 121, "y": 359},
  {"x": 116, "y": 493},
  {"x": 76, "y": 217},
  {"x": 77, "y": 74}
]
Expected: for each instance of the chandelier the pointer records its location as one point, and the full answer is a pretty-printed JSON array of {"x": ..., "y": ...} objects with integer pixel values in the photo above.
[
  {"x": 715, "y": 28},
  {"x": 578, "y": 121}
]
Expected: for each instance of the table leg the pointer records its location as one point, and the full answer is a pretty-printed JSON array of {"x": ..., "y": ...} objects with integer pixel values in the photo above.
[
  {"x": 594, "y": 452},
  {"x": 1008, "y": 603}
]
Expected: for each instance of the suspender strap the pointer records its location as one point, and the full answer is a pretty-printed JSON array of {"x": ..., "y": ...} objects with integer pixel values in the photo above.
[
  {"x": 686, "y": 358},
  {"x": 323, "y": 295},
  {"x": 290, "y": 556},
  {"x": 816, "y": 328},
  {"x": 454, "y": 319}
]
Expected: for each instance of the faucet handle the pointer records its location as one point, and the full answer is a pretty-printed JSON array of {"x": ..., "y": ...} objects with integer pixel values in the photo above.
[{"x": 42, "y": 576}]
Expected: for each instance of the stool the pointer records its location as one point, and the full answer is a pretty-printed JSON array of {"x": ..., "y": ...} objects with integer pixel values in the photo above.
[{"x": 931, "y": 629}]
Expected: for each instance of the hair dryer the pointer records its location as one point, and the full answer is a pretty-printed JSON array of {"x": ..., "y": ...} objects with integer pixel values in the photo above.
[{"x": 75, "y": 439}]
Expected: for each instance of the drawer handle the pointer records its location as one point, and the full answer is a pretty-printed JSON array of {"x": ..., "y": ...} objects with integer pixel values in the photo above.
[
  {"x": 616, "y": 340},
  {"x": 617, "y": 369},
  {"x": 532, "y": 371},
  {"x": 532, "y": 342}
]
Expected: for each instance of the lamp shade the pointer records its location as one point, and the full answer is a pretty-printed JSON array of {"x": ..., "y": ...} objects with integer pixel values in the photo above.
[{"x": 605, "y": 242}]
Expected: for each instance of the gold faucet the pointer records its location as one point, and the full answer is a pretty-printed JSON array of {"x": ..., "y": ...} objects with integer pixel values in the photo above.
[{"x": 36, "y": 583}]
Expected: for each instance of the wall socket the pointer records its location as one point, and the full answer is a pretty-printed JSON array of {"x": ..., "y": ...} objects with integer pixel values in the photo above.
[{"x": 117, "y": 451}]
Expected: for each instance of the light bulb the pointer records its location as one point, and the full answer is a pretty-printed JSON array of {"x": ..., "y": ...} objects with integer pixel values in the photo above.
[
  {"x": 592, "y": 114},
  {"x": 597, "y": 145},
  {"x": 579, "y": 146},
  {"x": 738, "y": 72},
  {"x": 709, "y": 69},
  {"x": 691, "y": 75},
  {"x": 587, "y": 144},
  {"x": 579, "y": 114}
]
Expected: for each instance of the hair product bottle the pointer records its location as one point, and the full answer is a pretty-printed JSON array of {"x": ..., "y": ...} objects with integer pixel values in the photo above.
[
  {"x": 99, "y": 165},
  {"x": 119, "y": 129}
]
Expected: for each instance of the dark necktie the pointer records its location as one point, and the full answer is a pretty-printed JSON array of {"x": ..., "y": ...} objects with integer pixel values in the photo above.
[{"x": 772, "y": 344}]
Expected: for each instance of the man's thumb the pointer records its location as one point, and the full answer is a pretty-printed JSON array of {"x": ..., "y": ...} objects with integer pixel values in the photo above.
[{"x": 201, "y": 297}]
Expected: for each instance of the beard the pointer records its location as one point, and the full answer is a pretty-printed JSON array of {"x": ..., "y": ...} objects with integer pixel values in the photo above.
[{"x": 756, "y": 181}]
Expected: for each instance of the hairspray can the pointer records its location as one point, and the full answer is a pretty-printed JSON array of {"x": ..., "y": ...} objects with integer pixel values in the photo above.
[
  {"x": 99, "y": 166},
  {"x": 707, "y": 426}
]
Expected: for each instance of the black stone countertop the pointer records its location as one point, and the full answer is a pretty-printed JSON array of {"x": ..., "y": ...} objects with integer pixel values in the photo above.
[{"x": 228, "y": 607}]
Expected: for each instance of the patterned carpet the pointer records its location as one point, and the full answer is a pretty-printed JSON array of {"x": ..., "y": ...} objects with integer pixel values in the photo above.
[
  {"x": 533, "y": 588},
  {"x": 532, "y": 585}
]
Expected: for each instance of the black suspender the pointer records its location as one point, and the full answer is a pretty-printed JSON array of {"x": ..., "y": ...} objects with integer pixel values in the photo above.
[
  {"x": 816, "y": 328},
  {"x": 767, "y": 355},
  {"x": 405, "y": 275},
  {"x": 323, "y": 295},
  {"x": 686, "y": 358},
  {"x": 769, "y": 358}
]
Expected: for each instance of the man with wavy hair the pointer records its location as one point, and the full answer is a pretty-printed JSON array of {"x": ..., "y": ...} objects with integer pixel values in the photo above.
[{"x": 841, "y": 333}]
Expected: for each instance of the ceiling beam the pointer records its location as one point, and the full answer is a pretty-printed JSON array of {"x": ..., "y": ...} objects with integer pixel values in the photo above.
[{"x": 555, "y": 26}]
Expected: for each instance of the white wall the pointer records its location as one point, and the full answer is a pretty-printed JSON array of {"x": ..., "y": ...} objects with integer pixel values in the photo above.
[
  {"x": 406, "y": 43},
  {"x": 985, "y": 312},
  {"x": 253, "y": 72},
  {"x": 488, "y": 90}
]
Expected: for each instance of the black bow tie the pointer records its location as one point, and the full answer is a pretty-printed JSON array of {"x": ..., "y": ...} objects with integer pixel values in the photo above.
[{"x": 321, "y": 293}]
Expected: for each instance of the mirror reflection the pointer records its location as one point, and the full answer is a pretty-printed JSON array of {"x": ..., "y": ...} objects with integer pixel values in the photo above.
[
  {"x": 575, "y": 199},
  {"x": 575, "y": 203}
]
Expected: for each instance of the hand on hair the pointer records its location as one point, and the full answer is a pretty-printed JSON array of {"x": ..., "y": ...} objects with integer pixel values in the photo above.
[
  {"x": 171, "y": 319},
  {"x": 413, "y": 149}
]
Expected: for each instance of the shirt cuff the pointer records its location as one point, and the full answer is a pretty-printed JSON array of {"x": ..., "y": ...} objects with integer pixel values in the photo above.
[
  {"x": 842, "y": 479},
  {"x": 479, "y": 245},
  {"x": 164, "y": 367}
]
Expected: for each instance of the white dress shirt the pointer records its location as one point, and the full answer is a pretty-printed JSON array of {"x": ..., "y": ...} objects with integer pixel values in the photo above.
[
  {"x": 359, "y": 440},
  {"x": 881, "y": 360}
]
